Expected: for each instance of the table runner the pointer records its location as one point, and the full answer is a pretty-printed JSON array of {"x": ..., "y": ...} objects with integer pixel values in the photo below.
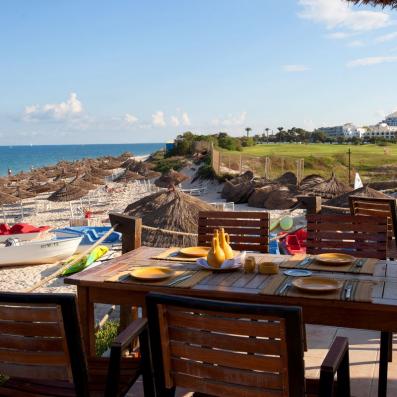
[
  {"x": 359, "y": 266},
  {"x": 196, "y": 277},
  {"x": 361, "y": 290}
]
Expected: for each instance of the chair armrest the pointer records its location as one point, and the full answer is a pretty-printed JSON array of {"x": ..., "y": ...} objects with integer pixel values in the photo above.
[
  {"x": 127, "y": 335},
  {"x": 336, "y": 362},
  {"x": 335, "y": 355}
]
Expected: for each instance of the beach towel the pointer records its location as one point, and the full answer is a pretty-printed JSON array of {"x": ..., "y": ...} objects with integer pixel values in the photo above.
[
  {"x": 4, "y": 229},
  {"x": 88, "y": 260},
  {"x": 21, "y": 228}
]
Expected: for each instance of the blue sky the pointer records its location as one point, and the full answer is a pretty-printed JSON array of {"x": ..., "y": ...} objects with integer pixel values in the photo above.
[{"x": 142, "y": 71}]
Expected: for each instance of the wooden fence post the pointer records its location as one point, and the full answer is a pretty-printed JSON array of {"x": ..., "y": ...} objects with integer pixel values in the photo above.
[
  {"x": 130, "y": 228},
  {"x": 312, "y": 204}
]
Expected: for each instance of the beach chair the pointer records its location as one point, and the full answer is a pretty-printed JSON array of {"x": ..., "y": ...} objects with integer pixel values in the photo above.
[
  {"x": 41, "y": 351},
  {"x": 248, "y": 231},
  {"x": 234, "y": 349},
  {"x": 381, "y": 208},
  {"x": 360, "y": 236}
]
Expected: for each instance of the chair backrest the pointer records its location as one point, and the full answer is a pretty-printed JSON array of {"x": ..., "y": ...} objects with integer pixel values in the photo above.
[
  {"x": 379, "y": 207},
  {"x": 40, "y": 338},
  {"x": 249, "y": 231},
  {"x": 223, "y": 348},
  {"x": 361, "y": 236}
]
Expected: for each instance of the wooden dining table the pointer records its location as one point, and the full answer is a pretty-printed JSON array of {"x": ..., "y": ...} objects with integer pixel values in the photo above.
[{"x": 108, "y": 283}]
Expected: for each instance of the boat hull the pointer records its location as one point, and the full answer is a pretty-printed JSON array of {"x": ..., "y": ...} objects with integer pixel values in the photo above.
[{"x": 39, "y": 252}]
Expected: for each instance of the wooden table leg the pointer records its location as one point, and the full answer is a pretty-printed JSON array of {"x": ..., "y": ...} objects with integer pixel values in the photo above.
[
  {"x": 383, "y": 364},
  {"x": 87, "y": 320}
]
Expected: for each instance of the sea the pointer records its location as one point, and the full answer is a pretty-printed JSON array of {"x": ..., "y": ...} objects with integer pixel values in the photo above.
[{"x": 23, "y": 158}]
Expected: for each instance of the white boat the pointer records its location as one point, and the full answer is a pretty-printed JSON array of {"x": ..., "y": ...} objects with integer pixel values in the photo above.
[
  {"x": 39, "y": 252},
  {"x": 25, "y": 236}
]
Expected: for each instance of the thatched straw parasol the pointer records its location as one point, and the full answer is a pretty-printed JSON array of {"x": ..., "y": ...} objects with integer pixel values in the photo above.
[
  {"x": 128, "y": 175},
  {"x": 83, "y": 184},
  {"x": 308, "y": 182},
  {"x": 152, "y": 175},
  {"x": 169, "y": 210},
  {"x": 23, "y": 194},
  {"x": 43, "y": 188},
  {"x": 343, "y": 199},
  {"x": 68, "y": 192},
  {"x": 65, "y": 174},
  {"x": 93, "y": 179},
  {"x": 331, "y": 188},
  {"x": 99, "y": 173},
  {"x": 39, "y": 177},
  {"x": 382, "y": 3},
  {"x": 109, "y": 164},
  {"x": 124, "y": 156},
  {"x": 288, "y": 178},
  {"x": 170, "y": 178},
  {"x": 7, "y": 199}
]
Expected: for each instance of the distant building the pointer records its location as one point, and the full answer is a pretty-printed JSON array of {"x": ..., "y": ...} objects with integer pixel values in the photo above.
[
  {"x": 381, "y": 130},
  {"x": 391, "y": 120},
  {"x": 347, "y": 130}
]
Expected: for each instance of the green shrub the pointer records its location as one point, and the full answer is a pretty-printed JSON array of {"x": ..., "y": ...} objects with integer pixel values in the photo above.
[
  {"x": 164, "y": 165},
  {"x": 105, "y": 336}
]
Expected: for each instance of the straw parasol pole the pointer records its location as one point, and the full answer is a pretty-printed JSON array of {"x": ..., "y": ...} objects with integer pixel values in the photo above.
[{"x": 6, "y": 199}]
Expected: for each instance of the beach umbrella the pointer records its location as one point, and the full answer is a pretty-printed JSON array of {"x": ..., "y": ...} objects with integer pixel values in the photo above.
[
  {"x": 39, "y": 177},
  {"x": 109, "y": 164},
  {"x": 170, "y": 178},
  {"x": 152, "y": 175},
  {"x": 168, "y": 210},
  {"x": 83, "y": 184},
  {"x": 128, "y": 175},
  {"x": 23, "y": 194},
  {"x": 288, "y": 178},
  {"x": 68, "y": 192},
  {"x": 99, "y": 172},
  {"x": 124, "y": 156},
  {"x": 310, "y": 181},
  {"x": 6, "y": 199},
  {"x": 343, "y": 199},
  {"x": 43, "y": 188},
  {"x": 382, "y": 3},
  {"x": 140, "y": 167},
  {"x": 65, "y": 174},
  {"x": 93, "y": 179},
  {"x": 331, "y": 188}
]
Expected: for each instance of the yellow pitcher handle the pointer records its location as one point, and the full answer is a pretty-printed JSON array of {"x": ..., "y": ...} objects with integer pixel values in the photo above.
[{"x": 227, "y": 238}]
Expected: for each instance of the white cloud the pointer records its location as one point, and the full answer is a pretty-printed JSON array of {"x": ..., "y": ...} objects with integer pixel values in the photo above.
[
  {"x": 338, "y": 35},
  {"x": 231, "y": 120},
  {"x": 295, "y": 68},
  {"x": 356, "y": 43},
  {"x": 185, "y": 119},
  {"x": 175, "y": 121},
  {"x": 71, "y": 108},
  {"x": 371, "y": 61},
  {"x": 130, "y": 119},
  {"x": 158, "y": 119},
  {"x": 386, "y": 37},
  {"x": 339, "y": 14}
]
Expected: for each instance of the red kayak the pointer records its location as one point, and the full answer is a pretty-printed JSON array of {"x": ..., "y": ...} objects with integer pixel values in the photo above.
[{"x": 295, "y": 243}]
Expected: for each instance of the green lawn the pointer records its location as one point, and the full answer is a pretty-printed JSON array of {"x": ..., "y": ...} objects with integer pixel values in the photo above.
[{"x": 372, "y": 161}]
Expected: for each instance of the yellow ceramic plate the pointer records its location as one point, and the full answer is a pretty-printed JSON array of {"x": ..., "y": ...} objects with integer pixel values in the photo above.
[
  {"x": 316, "y": 284},
  {"x": 195, "y": 252},
  {"x": 335, "y": 259},
  {"x": 151, "y": 273}
]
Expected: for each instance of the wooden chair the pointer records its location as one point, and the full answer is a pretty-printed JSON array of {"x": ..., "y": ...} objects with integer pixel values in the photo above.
[
  {"x": 381, "y": 208},
  {"x": 248, "y": 230},
  {"x": 360, "y": 236},
  {"x": 41, "y": 351},
  {"x": 234, "y": 349}
]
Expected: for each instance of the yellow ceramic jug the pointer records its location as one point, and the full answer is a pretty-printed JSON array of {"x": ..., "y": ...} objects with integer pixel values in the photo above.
[
  {"x": 215, "y": 256},
  {"x": 224, "y": 242}
]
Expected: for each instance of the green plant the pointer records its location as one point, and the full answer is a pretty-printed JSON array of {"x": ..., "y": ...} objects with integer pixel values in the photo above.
[
  {"x": 105, "y": 336},
  {"x": 176, "y": 163}
]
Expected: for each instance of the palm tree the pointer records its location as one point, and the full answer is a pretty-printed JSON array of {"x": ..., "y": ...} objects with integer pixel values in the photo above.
[
  {"x": 267, "y": 134},
  {"x": 248, "y": 129}
]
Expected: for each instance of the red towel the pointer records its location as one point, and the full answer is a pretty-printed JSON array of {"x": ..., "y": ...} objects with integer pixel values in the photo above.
[
  {"x": 21, "y": 228},
  {"x": 4, "y": 229}
]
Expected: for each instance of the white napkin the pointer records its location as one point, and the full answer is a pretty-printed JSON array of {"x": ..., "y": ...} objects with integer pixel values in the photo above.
[{"x": 228, "y": 264}]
